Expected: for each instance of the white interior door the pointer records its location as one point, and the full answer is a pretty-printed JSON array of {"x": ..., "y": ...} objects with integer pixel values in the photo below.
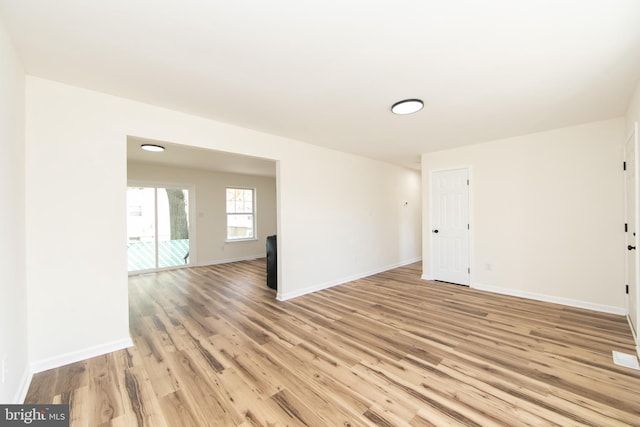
[
  {"x": 631, "y": 189},
  {"x": 450, "y": 226}
]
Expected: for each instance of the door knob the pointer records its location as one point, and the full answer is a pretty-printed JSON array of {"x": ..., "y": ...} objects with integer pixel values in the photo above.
[
  {"x": 435, "y": 231},
  {"x": 631, "y": 247}
]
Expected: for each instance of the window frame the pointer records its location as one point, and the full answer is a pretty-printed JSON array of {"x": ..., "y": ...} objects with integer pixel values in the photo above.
[
  {"x": 253, "y": 214},
  {"x": 192, "y": 212}
]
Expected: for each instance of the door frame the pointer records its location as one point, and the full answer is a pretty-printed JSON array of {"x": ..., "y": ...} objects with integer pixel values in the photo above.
[
  {"x": 192, "y": 220},
  {"x": 634, "y": 328},
  {"x": 431, "y": 219}
]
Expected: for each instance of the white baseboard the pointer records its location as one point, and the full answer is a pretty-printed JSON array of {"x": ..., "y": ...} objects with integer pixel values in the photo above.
[
  {"x": 635, "y": 335},
  {"x": 228, "y": 260},
  {"x": 76, "y": 356},
  {"x": 315, "y": 288},
  {"x": 23, "y": 388},
  {"x": 549, "y": 298}
]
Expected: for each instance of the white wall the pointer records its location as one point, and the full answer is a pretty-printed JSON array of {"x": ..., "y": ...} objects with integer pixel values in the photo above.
[
  {"x": 13, "y": 293},
  {"x": 210, "y": 219},
  {"x": 340, "y": 216},
  {"x": 547, "y": 214}
]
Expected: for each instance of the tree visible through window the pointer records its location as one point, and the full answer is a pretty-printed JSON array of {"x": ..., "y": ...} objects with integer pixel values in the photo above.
[
  {"x": 157, "y": 227},
  {"x": 240, "y": 213}
]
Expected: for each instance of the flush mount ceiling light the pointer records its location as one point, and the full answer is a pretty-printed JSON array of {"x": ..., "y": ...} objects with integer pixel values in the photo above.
[
  {"x": 407, "y": 106},
  {"x": 152, "y": 147}
]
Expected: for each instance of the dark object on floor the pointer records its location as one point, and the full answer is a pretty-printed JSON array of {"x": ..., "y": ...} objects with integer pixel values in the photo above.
[{"x": 272, "y": 262}]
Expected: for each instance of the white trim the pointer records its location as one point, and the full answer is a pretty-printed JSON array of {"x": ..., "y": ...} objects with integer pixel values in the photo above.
[
  {"x": 319, "y": 287},
  {"x": 157, "y": 270},
  {"x": 250, "y": 239},
  {"x": 228, "y": 260},
  {"x": 158, "y": 184},
  {"x": 193, "y": 252},
  {"x": 76, "y": 356},
  {"x": 553, "y": 299},
  {"x": 203, "y": 264},
  {"x": 23, "y": 389},
  {"x": 633, "y": 333},
  {"x": 254, "y": 214},
  {"x": 636, "y": 222}
]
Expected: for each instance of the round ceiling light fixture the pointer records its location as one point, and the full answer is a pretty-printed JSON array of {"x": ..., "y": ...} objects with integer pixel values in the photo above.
[
  {"x": 407, "y": 106},
  {"x": 152, "y": 147}
]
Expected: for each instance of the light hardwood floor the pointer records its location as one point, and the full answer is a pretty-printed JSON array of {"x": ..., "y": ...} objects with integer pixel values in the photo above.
[{"x": 214, "y": 348}]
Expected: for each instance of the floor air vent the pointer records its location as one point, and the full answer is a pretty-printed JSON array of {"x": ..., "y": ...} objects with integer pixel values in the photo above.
[{"x": 626, "y": 360}]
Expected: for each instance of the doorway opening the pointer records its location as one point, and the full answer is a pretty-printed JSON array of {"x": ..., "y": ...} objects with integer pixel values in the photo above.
[{"x": 211, "y": 172}]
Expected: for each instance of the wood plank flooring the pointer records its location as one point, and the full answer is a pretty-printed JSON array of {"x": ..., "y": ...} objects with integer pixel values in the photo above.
[{"x": 214, "y": 348}]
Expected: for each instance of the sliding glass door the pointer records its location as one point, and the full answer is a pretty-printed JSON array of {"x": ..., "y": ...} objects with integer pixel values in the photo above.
[{"x": 157, "y": 228}]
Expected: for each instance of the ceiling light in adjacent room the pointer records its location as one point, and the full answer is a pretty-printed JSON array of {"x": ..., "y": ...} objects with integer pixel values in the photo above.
[
  {"x": 152, "y": 147},
  {"x": 407, "y": 106}
]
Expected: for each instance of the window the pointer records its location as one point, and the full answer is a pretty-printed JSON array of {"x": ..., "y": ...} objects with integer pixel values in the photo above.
[
  {"x": 240, "y": 213},
  {"x": 157, "y": 228}
]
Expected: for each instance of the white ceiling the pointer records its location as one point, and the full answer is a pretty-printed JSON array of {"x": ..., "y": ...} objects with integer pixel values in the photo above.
[
  {"x": 197, "y": 158},
  {"x": 327, "y": 72}
]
